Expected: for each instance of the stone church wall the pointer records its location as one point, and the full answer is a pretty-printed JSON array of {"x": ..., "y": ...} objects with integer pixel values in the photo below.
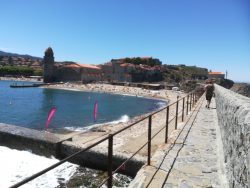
[{"x": 66, "y": 74}]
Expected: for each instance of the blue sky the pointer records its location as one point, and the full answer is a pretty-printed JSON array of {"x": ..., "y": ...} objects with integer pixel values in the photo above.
[{"x": 208, "y": 33}]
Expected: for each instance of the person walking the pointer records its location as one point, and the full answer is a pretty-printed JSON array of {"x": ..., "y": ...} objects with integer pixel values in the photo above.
[{"x": 209, "y": 89}]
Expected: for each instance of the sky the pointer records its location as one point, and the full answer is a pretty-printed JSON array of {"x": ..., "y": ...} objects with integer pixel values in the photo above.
[{"x": 214, "y": 34}]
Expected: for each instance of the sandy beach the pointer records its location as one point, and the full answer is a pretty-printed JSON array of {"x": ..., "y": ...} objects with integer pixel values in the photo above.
[
  {"x": 131, "y": 139},
  {"x": 123, "y": 90}
]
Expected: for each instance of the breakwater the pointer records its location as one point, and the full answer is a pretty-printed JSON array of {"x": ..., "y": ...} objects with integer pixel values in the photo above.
[
  {"x": 234, "y": 120},
  {"x": 61, "y": 146}
]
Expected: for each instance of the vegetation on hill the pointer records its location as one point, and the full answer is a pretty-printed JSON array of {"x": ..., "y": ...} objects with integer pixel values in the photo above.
[
  {"x": 19, "y": 71},
  {"x": 19, "y": 55},
  {"x": 242, "y": 88},
  {"x": 144, "y": 61},
  {"x": 180, "y": 73},
  {"x": 12, "y": 64},
  {"x": 226, "y": 83}
]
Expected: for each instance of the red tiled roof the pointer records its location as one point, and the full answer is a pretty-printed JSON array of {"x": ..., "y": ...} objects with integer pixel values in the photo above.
[
  {"x": 89, "y": 66},
  {"x": 72, "y": 66},
  {"x": 127, "y": 65},
  {"x": 76, "y": 65},
  {"x": 213, "y": 73},
  {"x": 146, "y": 57}
]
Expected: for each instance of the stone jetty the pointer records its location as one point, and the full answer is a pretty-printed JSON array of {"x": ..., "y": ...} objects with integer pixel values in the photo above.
[{"x": 210, "y": 150}]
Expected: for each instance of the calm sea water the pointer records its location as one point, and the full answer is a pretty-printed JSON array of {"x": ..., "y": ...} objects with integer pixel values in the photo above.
[{"x": 29, "y": 107}]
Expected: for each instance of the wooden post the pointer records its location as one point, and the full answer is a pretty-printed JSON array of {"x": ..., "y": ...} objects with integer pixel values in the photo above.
[
  {"x": 149, "y": 138},
  {"x": 166, "y": 132},
  {"x": 176, "y": 113},
  {"x": 110, "y": 156}
]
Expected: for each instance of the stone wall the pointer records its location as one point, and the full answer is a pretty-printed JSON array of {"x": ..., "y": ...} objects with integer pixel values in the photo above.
[{"x": 234, "y": 120}]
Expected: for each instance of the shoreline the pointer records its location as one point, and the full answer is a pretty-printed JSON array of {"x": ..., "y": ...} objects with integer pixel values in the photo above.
[
  {"x": 123, "y": 143},
  {"x": 107, "y": 128},
  {"x": 129, "y": 140},
  {"x": 162, "y": 95},
  {"x": 24, "y": 79}
]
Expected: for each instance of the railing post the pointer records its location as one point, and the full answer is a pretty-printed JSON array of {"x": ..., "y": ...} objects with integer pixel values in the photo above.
[
  {"x": 176, "y": 114},
  {"x": 187, "y": 103},
  {"x": 167, "y": 118},
  {"x": 190, "y": 104},
  {"x": 193, "y": 99},
  {"x": 110, "y": 156},
  {"x": 183, "y": 107},
  {"x": 149, "y": 138}
]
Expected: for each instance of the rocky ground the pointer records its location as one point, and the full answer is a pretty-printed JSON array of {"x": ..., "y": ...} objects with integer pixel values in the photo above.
[{"x": 242, "y": 88}]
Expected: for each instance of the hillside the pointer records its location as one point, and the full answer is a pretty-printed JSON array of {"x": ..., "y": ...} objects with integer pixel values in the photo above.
[
  {"x": 180, "y": 73},
  {"x": 8, "y": 54},
  {"x": 19, "y": 65},
  {"x": 242, "y": 88},
  {"x": 16, "y": 60}
]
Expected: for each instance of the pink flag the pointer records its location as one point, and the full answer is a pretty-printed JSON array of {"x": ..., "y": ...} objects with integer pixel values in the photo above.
[
  {"x": 95, "y": 110},
  {"x": 50, "y": 116}
]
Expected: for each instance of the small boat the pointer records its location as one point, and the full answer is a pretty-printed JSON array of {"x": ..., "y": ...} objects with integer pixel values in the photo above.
[{"x": 24, "y": 85}]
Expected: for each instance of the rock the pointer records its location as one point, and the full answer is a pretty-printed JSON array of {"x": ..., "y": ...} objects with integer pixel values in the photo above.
[{"x": 242, "y": 88}]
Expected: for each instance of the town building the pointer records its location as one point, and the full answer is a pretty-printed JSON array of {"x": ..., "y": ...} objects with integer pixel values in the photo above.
[
  {"x": 212, "y": 75},
  {"x": 68, "y": 71},
  {"x": 115, "y": 71}
]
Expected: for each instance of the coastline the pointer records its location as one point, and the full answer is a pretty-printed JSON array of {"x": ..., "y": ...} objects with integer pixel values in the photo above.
[
  {"x": 129, "y": 141},
  {"x": 24, "y": 79},
  {"x": 122, "y": 144}
]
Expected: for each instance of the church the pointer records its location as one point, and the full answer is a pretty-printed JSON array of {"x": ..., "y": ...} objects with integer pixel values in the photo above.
[{"x": 68, "y": 71}]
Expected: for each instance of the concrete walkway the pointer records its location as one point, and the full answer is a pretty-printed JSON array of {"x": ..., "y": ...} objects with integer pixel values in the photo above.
[{"x": 194, "y": 159}]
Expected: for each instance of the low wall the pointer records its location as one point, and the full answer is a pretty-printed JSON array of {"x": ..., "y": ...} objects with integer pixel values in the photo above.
[
  {"x": 20, "y": 138},
  {"x": 234, "y": 120},
  {"x": 47, "y": 144}
]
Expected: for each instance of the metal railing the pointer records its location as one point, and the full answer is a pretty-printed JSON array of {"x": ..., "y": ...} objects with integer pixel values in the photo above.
[{"x": 190, "y": 99}]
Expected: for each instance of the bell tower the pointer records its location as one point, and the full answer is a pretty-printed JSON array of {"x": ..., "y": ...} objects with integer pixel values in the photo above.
[{"x": 48, "y": 65}]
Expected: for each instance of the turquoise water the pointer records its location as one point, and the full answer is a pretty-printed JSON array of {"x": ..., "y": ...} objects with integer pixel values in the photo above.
[{"x": 29, "y": 107}]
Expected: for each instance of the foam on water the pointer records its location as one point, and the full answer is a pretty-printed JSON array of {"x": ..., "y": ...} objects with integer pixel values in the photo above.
[
  {"x": 17, "y": 165},
  {"x": 123, "y": 119},
  {"x": 161, "y": 104}
]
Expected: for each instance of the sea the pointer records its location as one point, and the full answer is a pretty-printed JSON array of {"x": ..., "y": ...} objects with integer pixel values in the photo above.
[
  {"x": 18, "y": 165},
  {"x": 29, "y": 107}
]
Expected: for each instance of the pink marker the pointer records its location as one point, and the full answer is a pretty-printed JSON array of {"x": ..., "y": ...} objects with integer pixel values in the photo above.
[
  {"x": 50, "y": 116},
  {"x": 95, "y": 110}
]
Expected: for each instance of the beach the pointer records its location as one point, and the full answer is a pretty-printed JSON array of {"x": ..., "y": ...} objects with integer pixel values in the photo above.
[
  {"x": 122, "y": 90},
  {"x": 129, "y": 140}
]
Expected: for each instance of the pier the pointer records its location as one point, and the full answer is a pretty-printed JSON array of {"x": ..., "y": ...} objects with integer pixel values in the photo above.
[{"x": 15, "y": 85}]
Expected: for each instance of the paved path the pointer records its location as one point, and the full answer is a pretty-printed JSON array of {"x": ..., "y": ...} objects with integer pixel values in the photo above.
[{"x": 194, "y": 159}]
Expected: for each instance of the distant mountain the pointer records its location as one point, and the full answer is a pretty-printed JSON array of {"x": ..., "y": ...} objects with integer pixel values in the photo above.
[{"x": 19, "y": 55}]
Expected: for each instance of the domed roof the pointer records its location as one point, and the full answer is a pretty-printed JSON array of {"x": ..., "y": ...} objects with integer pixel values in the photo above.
[{"x": 49, "y": 52}]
